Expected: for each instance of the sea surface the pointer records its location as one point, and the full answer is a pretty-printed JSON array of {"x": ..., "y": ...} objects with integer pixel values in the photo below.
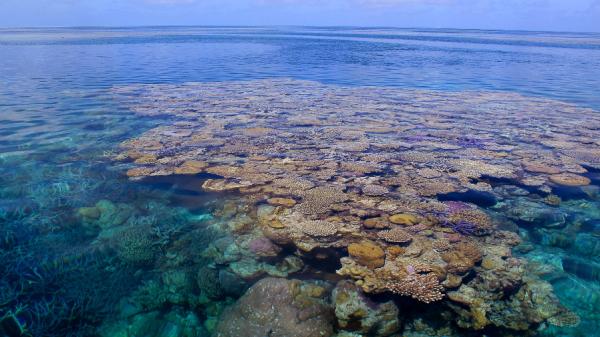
[{"x": 65, "y": 269}]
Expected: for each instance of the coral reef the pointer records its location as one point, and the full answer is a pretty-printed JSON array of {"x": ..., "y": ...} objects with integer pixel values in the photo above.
[{"x": 423, "y": 194}]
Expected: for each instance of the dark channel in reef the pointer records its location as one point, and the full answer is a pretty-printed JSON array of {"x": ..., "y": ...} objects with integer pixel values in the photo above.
[{"x": 292, "y": 208}]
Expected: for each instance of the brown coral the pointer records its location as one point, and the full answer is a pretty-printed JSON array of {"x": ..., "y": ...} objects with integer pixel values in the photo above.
[
  {"x": 395, "y": 235},
  {"x": 422, "y": 287},
  {"x": 319, "y": 199},
  {"x": 367, "y": 253},
  {"x": 570, "y": 179},
  {"x": 462, "y": 257}
]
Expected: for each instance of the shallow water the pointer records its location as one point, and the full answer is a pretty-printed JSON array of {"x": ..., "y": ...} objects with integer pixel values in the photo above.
[{"x": 69, "y": 213}]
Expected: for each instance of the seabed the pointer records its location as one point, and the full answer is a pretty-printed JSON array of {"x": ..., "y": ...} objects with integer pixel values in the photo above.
[{"x": 305, "y": 209}]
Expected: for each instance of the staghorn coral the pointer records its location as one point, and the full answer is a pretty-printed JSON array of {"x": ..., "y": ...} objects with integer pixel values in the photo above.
[{"x": 441, "y": 245}]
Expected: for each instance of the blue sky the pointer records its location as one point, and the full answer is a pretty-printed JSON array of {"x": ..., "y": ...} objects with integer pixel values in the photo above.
[{"x": 556, "y": 15}]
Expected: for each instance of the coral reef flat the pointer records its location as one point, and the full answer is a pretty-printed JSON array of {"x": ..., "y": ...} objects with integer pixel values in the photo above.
[
  {"x": 251, "y": 182},
  {"x": 378, "y": 180}
]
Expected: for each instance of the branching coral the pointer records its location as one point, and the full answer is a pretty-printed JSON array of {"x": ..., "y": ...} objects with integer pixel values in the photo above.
[{"x": 422, "y": 287}]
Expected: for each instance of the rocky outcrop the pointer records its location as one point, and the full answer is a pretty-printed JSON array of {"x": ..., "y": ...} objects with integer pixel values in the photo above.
[
  {"x": 279, "y": 308},
  {"x": 355, "y": 312}
]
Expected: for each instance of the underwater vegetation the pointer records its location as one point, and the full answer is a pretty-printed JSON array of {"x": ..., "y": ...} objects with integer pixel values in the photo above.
[
  {"x": 377, "y": 194},
  {"x": 69, "y": 255}
]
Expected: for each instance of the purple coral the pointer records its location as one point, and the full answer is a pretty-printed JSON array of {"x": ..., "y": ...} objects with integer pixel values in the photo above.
[
  {"x": 457, "y": 206},
  {"x": 464, "y": 227}
]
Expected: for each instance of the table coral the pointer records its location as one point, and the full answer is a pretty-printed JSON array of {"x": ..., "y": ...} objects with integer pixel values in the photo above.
[{"x": 395, "y": 235}]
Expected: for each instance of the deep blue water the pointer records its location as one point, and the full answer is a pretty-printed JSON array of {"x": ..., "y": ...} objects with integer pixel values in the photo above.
[
  {"x": 558, "y": 65},
  {"x": 58, "y": 123}
]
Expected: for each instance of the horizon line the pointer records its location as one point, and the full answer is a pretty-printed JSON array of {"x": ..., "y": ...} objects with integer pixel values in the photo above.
[{"x": 294, "y": 26}]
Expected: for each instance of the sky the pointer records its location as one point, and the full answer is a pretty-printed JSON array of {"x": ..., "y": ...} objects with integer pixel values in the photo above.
[{"x": 547, "y": 15}]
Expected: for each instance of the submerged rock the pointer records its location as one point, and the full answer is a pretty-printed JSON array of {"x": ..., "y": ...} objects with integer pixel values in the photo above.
[
  {"x": 536, "y": 213},
  {"x": 231, "y": 283},
  {"x": 208, "y": 283},
  {"x": 278, "y": 308},
  {"x": 175, "y": 323},
  {"x": 355, "y": 312}
]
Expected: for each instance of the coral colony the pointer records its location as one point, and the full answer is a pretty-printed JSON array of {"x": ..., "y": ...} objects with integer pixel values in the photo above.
[{"x": 333, "y": 184}]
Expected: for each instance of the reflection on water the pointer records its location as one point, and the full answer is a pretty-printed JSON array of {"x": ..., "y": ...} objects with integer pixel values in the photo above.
[{"x": 86, "y": 251}]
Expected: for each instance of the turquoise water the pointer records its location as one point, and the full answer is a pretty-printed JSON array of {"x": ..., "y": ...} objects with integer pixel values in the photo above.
[{"x": 69, "y": 214}]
